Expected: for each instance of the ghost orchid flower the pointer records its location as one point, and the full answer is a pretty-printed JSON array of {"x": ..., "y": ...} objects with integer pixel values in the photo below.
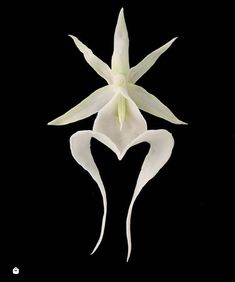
[{"x": 119, "y": 124}]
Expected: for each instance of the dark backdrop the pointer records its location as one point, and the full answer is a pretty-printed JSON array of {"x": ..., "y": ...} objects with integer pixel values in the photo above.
[{"x": 51, "y": 208}]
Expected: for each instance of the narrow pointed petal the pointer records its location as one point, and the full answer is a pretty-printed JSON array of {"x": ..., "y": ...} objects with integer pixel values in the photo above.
[
  {"x": 151, "y": 104},
  {"x": 108, "y": 123},
  {"x": 80, "y": 149},
  {"x": 139, "y": 70},
  {"x": 97, "y": 64},
  {"x": 89, "y": 106},
  {"x": 120, "y": 58},
  {"x": 161, "y": 145}
]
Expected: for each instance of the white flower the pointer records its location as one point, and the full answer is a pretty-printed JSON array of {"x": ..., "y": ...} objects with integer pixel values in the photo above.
[{"x": 119, "y": 124}]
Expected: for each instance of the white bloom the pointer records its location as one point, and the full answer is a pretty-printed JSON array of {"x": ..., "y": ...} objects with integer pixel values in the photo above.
[{"x": 119, "y": 124}]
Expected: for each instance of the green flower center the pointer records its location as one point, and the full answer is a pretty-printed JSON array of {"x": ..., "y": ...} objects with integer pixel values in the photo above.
[
  {"x": 119, "y": 80},
  {"x": 121, "y": 110}
]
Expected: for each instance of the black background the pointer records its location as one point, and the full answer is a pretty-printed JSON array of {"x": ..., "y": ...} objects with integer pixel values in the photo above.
[{"x": 51, "y": 208}]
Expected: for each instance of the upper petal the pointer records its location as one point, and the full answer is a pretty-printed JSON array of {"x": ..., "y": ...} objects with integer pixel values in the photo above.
[
  {"x": 120, "y": 58},
  {"x": 97, "y": 64},
  {"x": 139, "y": 70},
  {"x": 151, "y": 104},
  {"x": 107, "y": 122},
  {"x": 89, "y": 106}
]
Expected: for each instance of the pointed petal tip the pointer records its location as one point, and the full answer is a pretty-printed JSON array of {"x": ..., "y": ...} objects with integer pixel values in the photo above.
[
  {"x": 51, "y": 123},
  {"x": 182, "y": 122},
  {"x": 172, "y": 40},
  {"x": 55, "y": 122},
  {"x": 96, "y": 246},
  {"x": 92, "y": 253},
  {"x": 121, "y": 14},
  {"x": 76, "y": 41},
  {"x": 128, "y": 255},
  {"x": 176, "y": 121}
]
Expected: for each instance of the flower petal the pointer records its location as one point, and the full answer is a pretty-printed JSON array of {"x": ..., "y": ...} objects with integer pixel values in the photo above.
[
  {"x": 80, "y": 149},
  {"x": 89, "y": 106},
  {"x": 107, "y": 122},
  {"x": 120, "y": 58},
  {"x": 161, "y": 145},
  {"x": 97, "y": 64},
  {"x": 151, "y": 104},
  {"x": 139, "y": 70}
]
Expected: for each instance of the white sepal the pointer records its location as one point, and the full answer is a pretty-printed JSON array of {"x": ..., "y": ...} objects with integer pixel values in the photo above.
[
  {"x": 89, "y": 106},
  {"x": 151, "y": 104},
  {"x": 140, "y": 69},
  {"x": 96, "y": 63}
]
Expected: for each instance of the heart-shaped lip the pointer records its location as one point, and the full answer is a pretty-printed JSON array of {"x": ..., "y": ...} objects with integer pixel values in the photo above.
[{"x": 161, "y": 145}]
